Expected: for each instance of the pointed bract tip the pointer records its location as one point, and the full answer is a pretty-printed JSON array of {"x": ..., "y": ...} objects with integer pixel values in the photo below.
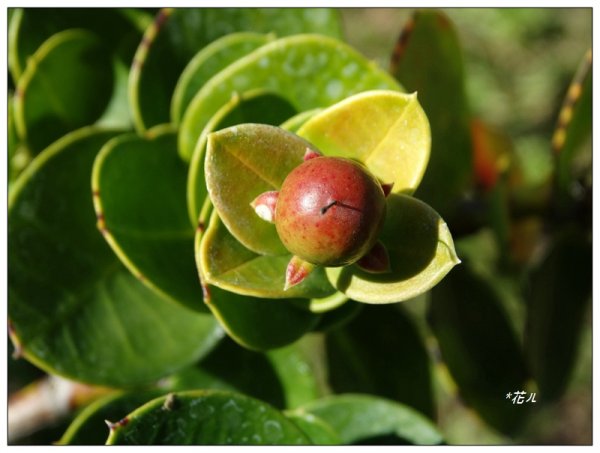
[
  {"x": 264, "y": 205},
  {"x": 296, "y": 272},
  {"x": 376, "y": 261},
  {"x": 311, "y": 154},
  {"x": 387, "y": 188},
  {"x": 110, "y": 424}
]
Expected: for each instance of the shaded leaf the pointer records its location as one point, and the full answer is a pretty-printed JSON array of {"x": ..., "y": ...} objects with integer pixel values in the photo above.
[
  {"x": 67, "y": 84},
  {"x": 119, "y": 29},
  {"x": 309, "y": 71},
  {"x": 139, "y": 186},
  {"x": 209, "y": 61},
  {"x": 421, "y": 252},
  {"x": 479, "y": 347},
  {"x": 381, "y": 352},
  {"x": 339, "y": 316},
  {"x": 243, "y": 162},
  {"x": 229, "y": 265},
  {"x": 428, "y": 59},
  {"x": 257, "y": 106},
  {"x": 385, "y": 130},
  {"x": 207, "y": 417},
  {"x": 178, "y": 34},
  {"x": 356, "y": 418},
  {"x": 75, "y": 310},
  {"x": 559, "y": 291}
]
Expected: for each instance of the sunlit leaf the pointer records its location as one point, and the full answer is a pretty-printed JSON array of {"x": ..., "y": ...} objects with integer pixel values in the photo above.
[
  {"x": 176, "y": 35},
  {"x": 309, "y": 71},
  {"x": 257, "y": 106},
  {"x": 386, "y": 130},
  {"x": 209, "y": 61}
]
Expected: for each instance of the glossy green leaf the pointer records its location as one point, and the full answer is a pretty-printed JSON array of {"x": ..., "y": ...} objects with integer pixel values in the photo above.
[
  {"x": 207, "y": 417},
  {"x": 300, "y": 368},
  {"x": 367, "y": 419},
  {"x": 140, "y": 185},
  {"x": 428, "y": 59},
  {"x": 317, "y": 430},
  {"x": 117, "y": 113},
  {"x": 386, "y": 130},
  {"x": 119, "y": 29},
  {"x": 381, "y": 352},
  {"x": 257, "y": 106},
  {"x": 67, "y": 84},
  {"x": 229, "y": 265},
  {"x": 234, "y": 368},
  {"x": 560, "y": 288},
  {"x": 89, "y": 427},
  {"x": 75, "y": 310},
  {"x": 255, "y": 323},
  {"x": 178, "y": 34},
  {"x": 309, "y": 71},
  {"x": 476, "y": 339},
  {"x": 209, "y": 61},
  {"x": 421, "y": 252},
  {"x": 574, "y": 123},
  {"x": 242, "y": 162}
]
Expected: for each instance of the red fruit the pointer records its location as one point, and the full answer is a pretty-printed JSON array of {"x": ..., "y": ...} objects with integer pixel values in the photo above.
[{"x": 330, "y": 211}]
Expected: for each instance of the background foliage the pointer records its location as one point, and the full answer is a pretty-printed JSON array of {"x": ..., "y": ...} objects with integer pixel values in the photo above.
[{"x": 515, "y": 315}]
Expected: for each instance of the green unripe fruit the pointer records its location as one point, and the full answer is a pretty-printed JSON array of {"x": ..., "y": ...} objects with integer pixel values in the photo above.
[{"x": 330, "y": 211}]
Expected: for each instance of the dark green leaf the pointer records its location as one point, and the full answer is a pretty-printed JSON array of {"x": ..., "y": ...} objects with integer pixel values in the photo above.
[
  {"x": 429, "y": 60},
  {"x": 357, "y": 418},
  {"x": 421, "y": 252},
  {"x": 67, "y": 84},
  {"x": 119, "y": 29},
  {"x": 338, "y": 316},
  {"x": 479, "y": 347},
  {"x": 209, "y": 61},
  {"x": 559, "y": 291},
  {"x": 381, "y": 352},
  {"x": 309, "y": 71},
  {"x": 140, "y": 185},
  {"x": 75, "y": 310},
  {"x": 257, "y": 106},
  {"x": 234, "y": 368},
  {"x": 207, "y": 417},
  {"x": 177, "y": 35}
]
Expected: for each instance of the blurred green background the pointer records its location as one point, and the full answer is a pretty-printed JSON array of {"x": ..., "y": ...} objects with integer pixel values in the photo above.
[{"x": 519, "y": 63}]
